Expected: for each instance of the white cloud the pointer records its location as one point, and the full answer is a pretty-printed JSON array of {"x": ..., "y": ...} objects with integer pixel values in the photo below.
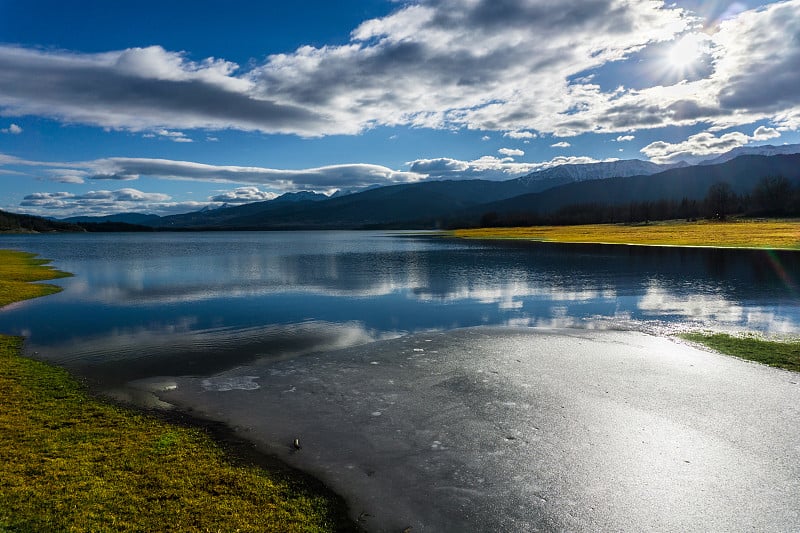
[
  {"x": 562, "y": 144},
  {"x": 488, "y": 167},
  {"x": 242, "y": 195},
  {"x": 519, "y": 135},
  {"x": 511, "y": 152},
  {"x": 321, "y": 178},
  {"x": 752, "y": 76},
  {"x": 174, "y": 136},
  {"x": 763, "y": 133},
  {"x": 704, "y": 144},
  {"x": 346, "y": 176},
  {"x": 142, "y": 89},
  {"x": 13, "y": 129},
  {"x": 441, "y": 63},
  {"x": 485, "y": 138},
  {"x": 481, "y": 64},
  {"x": 102, "y": 201},
  {"x": 515, "y": 66},
  {"x": 624, "y": 138},
  {"x": 66, "y": 175}
]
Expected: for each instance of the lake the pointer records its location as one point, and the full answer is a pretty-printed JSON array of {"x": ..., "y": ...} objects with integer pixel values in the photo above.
[
  {"x": 178, "y": 303},
  {"x": 449, "y": 385}
]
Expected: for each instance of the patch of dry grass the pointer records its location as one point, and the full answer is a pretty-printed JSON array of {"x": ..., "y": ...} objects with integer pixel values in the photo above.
[{"x": 734, "y": 234}]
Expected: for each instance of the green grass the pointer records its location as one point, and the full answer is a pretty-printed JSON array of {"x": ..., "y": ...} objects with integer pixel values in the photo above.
[
  {"x": 773, "y": 353},
  {"x": 18, "y": 270},
  {"x": 772, "y": 234},
  {"x": 71, "y": 462}
]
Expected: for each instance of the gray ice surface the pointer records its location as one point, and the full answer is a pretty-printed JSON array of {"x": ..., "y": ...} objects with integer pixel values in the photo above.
[{"x": 497, "y": 429}]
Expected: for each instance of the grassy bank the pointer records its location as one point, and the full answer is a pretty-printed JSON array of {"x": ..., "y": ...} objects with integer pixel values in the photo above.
[
  {"x": 738, "y": 234},
  {"x": 18, "y": 270},
  {"x": 773, "y": 353},
  {"x": 70, "y": 462}
]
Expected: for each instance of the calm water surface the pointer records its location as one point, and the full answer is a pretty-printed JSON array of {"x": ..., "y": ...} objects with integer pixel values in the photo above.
[{"x": 196, "y": 303}]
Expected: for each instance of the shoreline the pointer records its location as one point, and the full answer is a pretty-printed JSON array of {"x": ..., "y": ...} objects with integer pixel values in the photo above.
[{"x": 178, "y": 434}]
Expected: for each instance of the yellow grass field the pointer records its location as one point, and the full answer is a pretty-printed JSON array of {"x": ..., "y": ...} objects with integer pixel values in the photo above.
[{"x": 779, "y": 235}]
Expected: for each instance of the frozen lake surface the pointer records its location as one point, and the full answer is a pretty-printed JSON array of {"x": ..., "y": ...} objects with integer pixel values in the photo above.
[{"x": 498, "y": 429}]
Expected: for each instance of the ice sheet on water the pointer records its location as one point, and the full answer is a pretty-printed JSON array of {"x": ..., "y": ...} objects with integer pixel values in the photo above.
[{"x": 224, "y": 384}]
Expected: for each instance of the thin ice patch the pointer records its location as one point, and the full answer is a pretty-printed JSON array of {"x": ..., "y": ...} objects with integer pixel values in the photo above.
[{"x": 224, "y": 384}]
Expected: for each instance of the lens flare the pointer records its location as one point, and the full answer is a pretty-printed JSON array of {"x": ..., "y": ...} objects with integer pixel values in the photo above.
[{"x": 784, "y": 275}]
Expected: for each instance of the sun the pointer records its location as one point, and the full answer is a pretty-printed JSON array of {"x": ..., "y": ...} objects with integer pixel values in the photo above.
[{"x": 687, "y": 52}]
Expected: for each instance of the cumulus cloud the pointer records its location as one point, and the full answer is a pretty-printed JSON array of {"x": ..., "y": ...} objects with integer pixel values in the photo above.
[
  {"x": 243, "y": 195},
  {"x": 763, "y": 133},
  {"x": 93, "y": 201},
  {"x": 624, "y": 138},
  {"x": 704, "y": 144},
  {"x": 519, "y": 135},
  {"x": 488, "y": 167},
  {"x": 511, "y": 152},
  {"x": 758, "y": 59},
  {"x": 753, "y": 76},
  {"x": 174, "y": 136},
  {"x": 439, "y": 63},
  {"x": 562, "y": 144},
  {"x": 13, "y": 129},
  {"x": 516, "y": 66}
]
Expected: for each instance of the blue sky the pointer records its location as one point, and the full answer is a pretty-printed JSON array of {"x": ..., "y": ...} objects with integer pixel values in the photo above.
[{"x": 168, "y": 107}]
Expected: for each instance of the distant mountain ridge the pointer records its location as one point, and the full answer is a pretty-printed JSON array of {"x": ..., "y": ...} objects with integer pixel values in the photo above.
[
  {"x": 441, "y": 203},
  {"x": 692, "y": 183},
  {"x": 125, "y": 218},
  {"x": 589, "y": 171},
  {"x": 767, "y": 150}
]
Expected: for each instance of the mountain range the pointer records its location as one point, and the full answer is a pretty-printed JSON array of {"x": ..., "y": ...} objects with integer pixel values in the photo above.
[
  {"x": 433, "y": 204},
  {"x": 445, "y": 203}
]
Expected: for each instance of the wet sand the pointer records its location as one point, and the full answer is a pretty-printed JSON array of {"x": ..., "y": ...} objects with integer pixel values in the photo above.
[{"x": 499, "y": 429}]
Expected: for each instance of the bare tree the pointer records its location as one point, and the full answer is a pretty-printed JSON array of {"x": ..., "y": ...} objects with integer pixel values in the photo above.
[{"x": 720, "y": 200}]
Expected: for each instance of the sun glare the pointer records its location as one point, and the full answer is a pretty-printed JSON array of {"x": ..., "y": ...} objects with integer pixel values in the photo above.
[{"x": 686, "y": 51}]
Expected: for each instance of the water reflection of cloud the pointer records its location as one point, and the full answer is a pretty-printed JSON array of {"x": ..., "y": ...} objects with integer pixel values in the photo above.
[
  {"x": 710, "y": 309},
  {"x": 507, "y": 295},
  {"x": 178, "y": 348}
]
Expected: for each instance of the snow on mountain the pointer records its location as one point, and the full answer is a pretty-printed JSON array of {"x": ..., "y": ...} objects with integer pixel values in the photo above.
[
  {"x": 591, "y": 171},
  {"x": 753, "y": 150}
]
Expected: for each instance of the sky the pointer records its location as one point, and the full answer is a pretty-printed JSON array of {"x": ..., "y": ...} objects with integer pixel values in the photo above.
[{"x": 170, "y": 107}]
